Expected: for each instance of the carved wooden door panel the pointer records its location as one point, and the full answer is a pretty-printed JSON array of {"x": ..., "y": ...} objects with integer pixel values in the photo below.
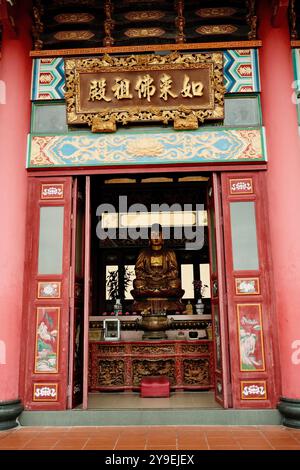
[{"x": 218, "y": 294}]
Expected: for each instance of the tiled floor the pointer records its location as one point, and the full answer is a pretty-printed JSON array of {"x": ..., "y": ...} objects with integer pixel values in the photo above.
[{"x": 152, "y": 438}]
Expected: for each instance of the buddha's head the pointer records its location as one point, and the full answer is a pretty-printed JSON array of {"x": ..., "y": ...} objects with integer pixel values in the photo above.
[{"x": 156, "y": 240}]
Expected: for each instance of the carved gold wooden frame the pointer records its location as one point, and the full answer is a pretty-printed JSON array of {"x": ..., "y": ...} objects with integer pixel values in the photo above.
[{"x": 184, "y": 117}]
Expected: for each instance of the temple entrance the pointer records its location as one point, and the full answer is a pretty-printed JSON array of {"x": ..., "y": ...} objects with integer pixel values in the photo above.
[
  {"x": 106, "y": 306},
  {"x": 175, "y": 333},
  {"x": 88, "y": 334}
]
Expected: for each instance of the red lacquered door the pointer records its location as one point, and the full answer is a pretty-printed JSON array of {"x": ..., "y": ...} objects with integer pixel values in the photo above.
[
  {"x": 218, "y": 294},
  {"x": 45, "y": 345},
  {"x": 251, "y": 316}
]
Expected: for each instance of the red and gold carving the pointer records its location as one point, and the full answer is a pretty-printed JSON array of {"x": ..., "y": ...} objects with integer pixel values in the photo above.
[
  {"x": 45, "y": 392},
  {"x": 52, "y": 191},
  {"x": 111, "y": 372},
  {"x": 164, "y": 349},
  {"x": 241, "y": 186},
  {"x": 216, "y": 29},
  {"x": 196, "y": 371},
  {"x": 144, "y": 32},
  {"x": 216, "y": 12},
  {"x": 254, "y": 390},
  {"x": 184, "y": 88},
  {"x": 145, "y": 367},
  {"x": 112, "y": 368},
  {"x": 250, "y": 330},
  {"x": 153, "y": 15},
  {"x": 71, "y": 18},
  {"x": 110, "y": 349},
  {"x": 74, "y": 35},
  {"x": 193, "y": 348}
]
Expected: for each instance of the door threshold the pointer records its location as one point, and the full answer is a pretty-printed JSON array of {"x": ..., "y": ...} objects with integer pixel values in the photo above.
[{"x": 151, "y": 417}]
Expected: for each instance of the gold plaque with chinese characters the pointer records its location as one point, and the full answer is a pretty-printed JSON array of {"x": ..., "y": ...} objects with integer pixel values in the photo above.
[{"x": 183, "y": 88}]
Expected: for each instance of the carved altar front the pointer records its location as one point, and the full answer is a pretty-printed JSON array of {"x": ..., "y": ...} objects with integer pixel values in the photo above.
[{"x": 122, "y": 365}]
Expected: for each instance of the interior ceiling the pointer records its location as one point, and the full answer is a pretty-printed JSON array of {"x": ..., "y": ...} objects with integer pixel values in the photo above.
[
  {"x": 62, "y": 24},
  {"x": 176, "y": 193}
]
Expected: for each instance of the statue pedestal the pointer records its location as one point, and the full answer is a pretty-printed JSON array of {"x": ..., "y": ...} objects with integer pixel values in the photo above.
[
  {"x": 154, "y": 326},
  {"x": 154, "y": 335},
  {"x": 156, "y": 303}
]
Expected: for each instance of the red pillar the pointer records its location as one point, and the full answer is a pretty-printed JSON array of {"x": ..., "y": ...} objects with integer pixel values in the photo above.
[
  {"x": 15, "y": 76},
  {"x": 283, "y": 184}
]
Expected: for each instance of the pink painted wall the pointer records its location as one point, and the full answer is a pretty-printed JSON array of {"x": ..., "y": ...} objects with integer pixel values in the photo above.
[
  {"x": 283, "y": 185},
  {"x": 15, "y": 75}
]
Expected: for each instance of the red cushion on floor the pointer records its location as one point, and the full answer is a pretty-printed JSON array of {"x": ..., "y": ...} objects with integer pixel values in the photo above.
[{"x": 155, "y": 386}]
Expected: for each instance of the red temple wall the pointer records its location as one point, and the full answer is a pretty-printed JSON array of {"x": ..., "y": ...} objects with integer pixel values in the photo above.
[{"x": 15, "y": 74}]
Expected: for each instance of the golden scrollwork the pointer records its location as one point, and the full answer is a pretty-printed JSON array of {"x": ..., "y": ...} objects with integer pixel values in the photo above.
[
  {"x": 196, "y": 371},
  {"x": 156, "y": 349},
  {"x": 38, "y": 25},
  {"x": 74, "y": 35},
  {"x": 100, "y": 125},
  {"x": 144, "y": 32},
  {"x": 149, "y": 15},
  {"x": 220, "y": 12},
  {"x": 195, "y": 348},
  {"x": 252, "y": 19},
  {"x": 185, "y": 116},
  {"x": 110, "y": 349},
  {"x": 216, "y": 29},
  {"x": 109, "y": 23},
  {"x": 111, "y": 372},
  {"x": 293, "y": 20},
  {"x": 145, "y": 367},
  {"x": 71, "y": 18}
]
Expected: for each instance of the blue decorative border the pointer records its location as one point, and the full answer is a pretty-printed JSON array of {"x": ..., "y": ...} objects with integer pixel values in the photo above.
[
  {"x": 48, "y": 79},
  {"x": 296, "y": 63},
  {"x": 147, "y": 147},
  {"x": 241, "y": 71}
]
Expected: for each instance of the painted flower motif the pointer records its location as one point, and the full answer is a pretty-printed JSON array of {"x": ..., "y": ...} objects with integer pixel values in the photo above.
[
  {"x": 145, "y": 147},
  {"x": 50, "y": 289}
]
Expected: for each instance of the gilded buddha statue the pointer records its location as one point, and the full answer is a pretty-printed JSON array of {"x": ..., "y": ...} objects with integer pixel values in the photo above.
[{"x": 157, "y": 287}]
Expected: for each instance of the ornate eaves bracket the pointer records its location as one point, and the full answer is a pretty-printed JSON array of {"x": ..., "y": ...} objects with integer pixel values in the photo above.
[
  {"x": 8, "y": 10},
  {"x": 280, "y": 11}
]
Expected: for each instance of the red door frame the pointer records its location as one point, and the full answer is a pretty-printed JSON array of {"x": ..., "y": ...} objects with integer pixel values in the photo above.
[
  {"x": 72, "y": 293},
  {"x": 218, "y": 295},
  {"x": 87, "y": 256}
]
